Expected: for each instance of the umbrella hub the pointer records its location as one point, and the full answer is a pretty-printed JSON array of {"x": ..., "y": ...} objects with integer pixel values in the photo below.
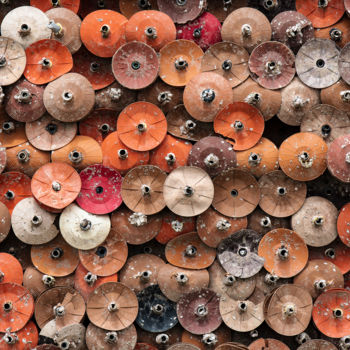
[
  {"x": 162, "y": 338},
  {"x": 223, "y": 225},
  {"x": 48, "y": 280},
  {"x": 181, "y": 278},
  {"x": 265, "y": 222},
  {"x": 111, "y": 337},
  {"x": 23, "y": 96},
  {"x": 246, "y": 30}
]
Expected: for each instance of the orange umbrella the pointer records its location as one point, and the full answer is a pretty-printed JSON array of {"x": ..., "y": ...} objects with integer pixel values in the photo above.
[
  {"x": 130, "y": 7},
  {"x": 47, "y": 60},
  {"x": 10, "y": 269},
  {"x": 103, "y": 32},
  {"x": 154, "y": 28},
  {"x": 302, "y": 156},
  {"x": 45, "y": 5},
  {"x": 343, "y": 224},
  {"x": 322, "y": 13},
  {"x": 242, "y": 123},
  {"x": 56, "y": 185},
  {"x": 14, "y": 186},
  {"x": 142, "y": 126},
  {"x": 11, "y": 131}
]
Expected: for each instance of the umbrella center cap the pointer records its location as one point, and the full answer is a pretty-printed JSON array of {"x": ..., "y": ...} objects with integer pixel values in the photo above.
[
  {"x": 145, "y": 276},
  {"x": 318, "y": 220},
  {"x": 23, "y": 156},
  {"x": 238, "y": 125},
  {"x": 293, "y": 31},
  {"x": 122, "y": 154},
  {"x": 254, "y": 159},
  {"x": 191, "y": 251},
  {"x": 51, "y": 128},
  {"x": 302, "y": 338},
  {"x": 56, "y": 186},
  {"x": 2, "y": 275},
  {"x": 99, "y": 189},
  {"x": 94, "y": 67},
  {"x": 234, "y": 193},
  {"x": 347, "y": 158},
  {"x": 246, "y": 30},
  {"x": 7, "y": 307},
  {"x": 181, "y": 278},
  {"x": 298, "y": 102},
  {"x": 170, "y": 158},
  {"x": 305, "y": 160},
  {"x": 242, "y": 306},
  {"x": 141, "y": 127},
  {"x": 227, "y": 2},
  {"x": 209, "y": 339},
  {"x": 338, "y": 313},
  {"x": 24, "y": 30},
  {"x": 46, "y": 63},
  {"x": 226, "y": 65},
  {"x": 208, "y": 95},
  {"x": 211, "y": 160},
  {"x": 322, "y": 3},
  {"x": 37, "y": 220},
  {"x": 56, "y": 253},
  {"x": 242, "y": 251},
  {"x": 115, "y": 94},
  {"x": 188, "y": 191},
  {"x": 111, "y": 337},
  {"x": 336, "y": 34},
  {"x": 9, "y": 195},
  {"x": 326, "y": 130},
  {"x": 104, "y": 128},
  {"x": 272, "y": 67},
  {"x": 165, "y": 97},
  {"x": 162, "y": 338},
  {"x": 24, "y": 96},
  {"x": 270, "y": 279},
  {"x": 345, "y": 95},
  {"x": 2, "y": 61},
  {"x": 190, "y": 125},
  {"x": 56, "y": 28},
  {"x": 330, "y": 252},
  {"x": 112, "y": 306},
  {"x": 320, "y": 285},
  {"x": 201, "y": 311},
  {"x": 75, "y": 156},
  {"x": 144, "y": 4},
  {"x": 229, "y": 280},
  {"x": 282, "y": 191},
  {"x": 157, "y": 309},
  {"x": 253, "y": 98},
  {"x": 101, "y": 251},
  {"x": 197, "y": 33},
  {"x": 151, "y": 32},
  {"x": 145, "y": 190},
  {"x": 64, "y": 345},
  {"x": 270, "y": 4},
  {"x": 105, "y": 30},
  {"x": 135, "y": 65},
  {"x": 320, "y": 63},
  {"x": 345, "y": 342},
  {"x": 137, "y": 219},
  {"x": 223, "y": 225},
  {"x": 55, "y": 3},
  {"x": 11, "y": 338},
  {"x": 289, "y": 309},
  {"x": 265, "y": 222},
  {"x": 283, "y": 253},
  {"x": 59, "y": 310},
  {"x": 90, "y": 278},
  {"x": 85, "y": 224},
  {"x": 67, "y": 96},
  {"x": 177, "y": 225},
  {"x": 181, "y": 64},
  {"x": 8, "y": 127},
  {"x": 181, "y": 2},
  {"x": 48, "y": 281}
]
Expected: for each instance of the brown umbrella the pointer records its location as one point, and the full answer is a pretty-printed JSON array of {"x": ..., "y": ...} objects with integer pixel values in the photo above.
[
  {"x": 48, "y": 134},
  {"x": 246, "y": 27},
  {"x": 317, "y": 63},
  {"x": 188, "y": 191},
  {"x": 317, "y": 344},
  {"x": 98, "y": 338},
  {"x": 175, "y": 282},
  {"x": 205, "y": 95},
  {"x": 182, "y": 125},
  {"x": 198, "y": 311},
  {"x": 11, "y": 132},
  {"x": 227, "y": 59},
  {"x": 288, "y": 310},
  {"x": 338, "y": 158},
  {"x": 228, "y": 286},
  {"x": 343, "y": 63},
  {"x": 112, "y": 306},
  {"x": 267, "y": 101},
  {"x": 316, "y": 221},
  {"x": 327, "y": 122},
  {"x": 69, "y": 98},
  {"x": 339, "y": 32},
  {"x": 5, "y": 222},
  {"x": 337, "y": 95},
  {"x": 71, "y": 336},
  {"x": 63, "y": 304},
  {"x": 142, "y": 189},
  {"x": 212, "y": 227},
  {"x": 297, "y": 100},
  {"x": 281, "y": 196},
  {"x": 284, "y": 251},
  {"x": 319, "y": 276},
  {"x": 238, "y": 254},
  {"x": 260, "y": 159},
  {"x": 32, "y": 224},
  {"x": 128, "y": 8},
  {"x": 237, "y": 193},
  {"x": 141, "y": 271},
  {"x": 213, "y": 154},
  {"x": 189, "y": 252}
]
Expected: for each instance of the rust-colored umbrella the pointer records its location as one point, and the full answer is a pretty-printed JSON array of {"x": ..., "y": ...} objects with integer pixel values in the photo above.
[
  {"x": 141, "y": 126},
  {"x": 11, "y": 132},
  {"x": 205, "y": 95},
  {"x": 63, "y": 304},
  {"x": 317, "y": 344},
  {"x": 49, "y": 134},
  {"x": 113, "y": 306},
  {"x": 260, "y": 159},
  {"x": 103, "y": 32},
  {"x": 154, "y": 28},
  {"x": 246, "y": 27},
  {"x": 189, "y": 252},
  {"x": 182, "y": 125},
  {"x": 188, "y": 191},
  {"x": 292, "y": 29},
  {"x": 176, "y": 282},
  {"x": 26, "y": 159},
  {"x": 237, "y": 193},
  {"x": 343, "y": 224},
  {"x": 141, "y": 271},
  {"x": 227, "y": 59},
  {"x": 12, "y": 61},
  {"x": 267, "y": 101},
  {"x": 142, "y": 189},
  {"x": 135, "y": 228},
  {"x": 321, "y": 13},
  {"x": 81, "y": 152},
  {"x": 205, "y": 30},
  {"x": 65, "y": 27},
  {"x": 10, "y": 269},
  {"x": 69, "y": 98},
  {"x": 47, "y": 60},
  {"x": 212, "y": 227},
  {"x": 331, "y": 313},
  {"x": 238, "y": 254},
  {"x": 316, "y": 221},
  {"x": 100, "y": 338},
  {"x": 56, "y": 185},
  {"x": 297, "y": 100},
  {"x": 130, "y": 7},
  {"x": 120, "y": 157},
  {"x": 302, "y": 156},
  {"x": 317, "y": 63},
  {"x": 228, "y": 286},
  {"x": 272, "y": 65},
  {"x": 319, "y": 276},
  {"x": 107, "y": 258},
  {"x": 338, "y": 158},
  {"x": 17, "y": 307},
  {"x": 24, "y": 101},
  {"x": 46, "y": 5},
  {"x": 14, "y": 186},
  {"x": 288, "y": 310},
  {"x": 338, "y": 32},
  {"x": 135, "y": 65},
  {"x": 25, "y": 25},
  {"x": 5, "y": 222},
  {"x": 268, "y": 344},
  {"x": 337, "y": 95},
  {"x": 97, "y": 70},
  {"x": 242, "y": 123},
  {"x": 182, "y": 11},
  {"x": 284, "y": 251},
  {"x": 281, "y": 196},
  {"x": 170, "y": 154},
  {"x": 179, "y": 62}
]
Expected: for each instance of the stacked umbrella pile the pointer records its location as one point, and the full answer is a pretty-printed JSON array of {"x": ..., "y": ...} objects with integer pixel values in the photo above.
[{"x": 175, "y": 174}]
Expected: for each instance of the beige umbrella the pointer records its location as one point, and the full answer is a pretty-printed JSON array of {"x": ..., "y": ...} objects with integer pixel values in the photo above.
[{"x": 71, "y": 337}]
